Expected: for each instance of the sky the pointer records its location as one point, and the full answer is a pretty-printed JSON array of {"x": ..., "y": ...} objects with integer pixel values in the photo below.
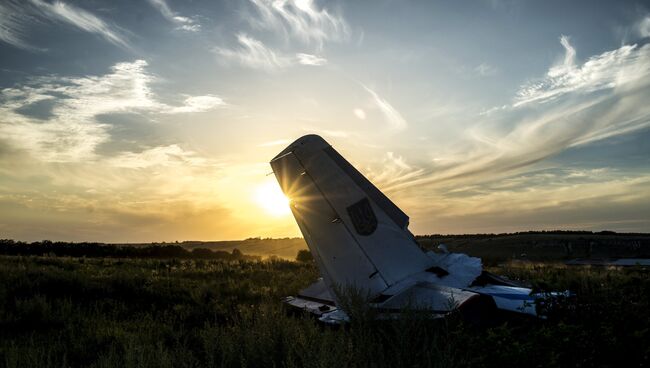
[{"x": 154, "y": 120}]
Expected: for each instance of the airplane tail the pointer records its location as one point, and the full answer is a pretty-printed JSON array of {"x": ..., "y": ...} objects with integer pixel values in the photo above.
[{"x": 358, "y": 237}]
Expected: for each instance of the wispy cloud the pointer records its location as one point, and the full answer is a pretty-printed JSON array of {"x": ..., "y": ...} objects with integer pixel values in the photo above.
[
  {"x": 16, "y": 18},
  {"x": 72, "y": 133},
  {"x": 573, "y": 105},
  {"x": 197, "y": 104},
  {"x": 170, "y": 155},
  {"x": 300, "y": 19},
  {"x": 82, "y": 19},
  {"x": 392, "y": 169},
  {"x": 14, "y": 25},
  {"x": 548, "y": 199},
  {"x": 181, "y": 22},
  {"x": 612, "y": 69},
  {"x": 393, "y": 117},
  {"x": 486, "y": 70},
  {"x": 308, "y": 59},
  {"x": 252, "y": 53},
  {"x": 643, "y": 27},
  {"x": 148, "y": 188},
  {"x": 287, "y": 20}
]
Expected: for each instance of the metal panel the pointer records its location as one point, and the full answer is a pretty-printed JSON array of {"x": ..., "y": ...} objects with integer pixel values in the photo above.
[{"x": 397, "y": 215}]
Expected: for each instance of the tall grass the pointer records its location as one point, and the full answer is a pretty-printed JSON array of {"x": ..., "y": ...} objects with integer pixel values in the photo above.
[{"x": 76, "y": 312}]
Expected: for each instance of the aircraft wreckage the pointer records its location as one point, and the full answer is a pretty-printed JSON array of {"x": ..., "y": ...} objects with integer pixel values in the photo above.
[{"x": 360, "y": 239}]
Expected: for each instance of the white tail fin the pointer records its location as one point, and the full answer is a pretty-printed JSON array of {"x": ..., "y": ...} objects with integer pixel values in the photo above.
[{"x": 357, "y": 235}]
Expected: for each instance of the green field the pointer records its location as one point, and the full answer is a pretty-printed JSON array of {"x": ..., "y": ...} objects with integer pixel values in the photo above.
[{"x": 108, "y": 312}]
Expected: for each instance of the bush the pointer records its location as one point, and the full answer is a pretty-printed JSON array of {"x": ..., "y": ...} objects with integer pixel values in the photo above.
[{"x": 304, "y": 256}]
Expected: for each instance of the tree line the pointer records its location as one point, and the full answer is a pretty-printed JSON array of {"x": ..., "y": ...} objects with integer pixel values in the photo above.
[{"x": 86, "y": 249}]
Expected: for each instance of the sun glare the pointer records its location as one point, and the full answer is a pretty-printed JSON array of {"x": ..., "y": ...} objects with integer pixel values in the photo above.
[{"x": 269, "y": 197}]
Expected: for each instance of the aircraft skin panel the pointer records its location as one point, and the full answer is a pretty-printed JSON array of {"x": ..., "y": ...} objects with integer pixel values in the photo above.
[
  {"x": 396, "y": 214},
  {"x": 390, "y": 248},
  {"x": 382, "y": 236},
  {"x": 513, "y": 299},
  {"x": 318, "y": 291},
  {"x": 339, "y": 257},
  {"x": 314, "y": 251},
  {"x": 427, "y": 296}
]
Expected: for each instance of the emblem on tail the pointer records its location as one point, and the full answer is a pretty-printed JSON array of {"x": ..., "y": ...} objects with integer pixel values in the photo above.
[{"x": 363, "y": 218}]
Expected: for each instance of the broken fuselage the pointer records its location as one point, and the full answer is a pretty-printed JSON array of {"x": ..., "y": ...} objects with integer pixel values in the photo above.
[{"x": 360, "y": 240}]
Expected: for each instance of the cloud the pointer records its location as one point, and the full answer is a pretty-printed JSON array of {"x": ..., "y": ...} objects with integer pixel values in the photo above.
[
  {"x": 568, "y": 64},
  {"x": 14, "y": 26},
  {"x": 17, "y": 18},
  {"x": 82, "y": 19},
  {"x": 308, "y": 59},
  {"x": 392, "y": 169},
  {"x": 197, "y": 104},
  {"x": 612, "y": 69},
  {"x": 253, "y": 54},
  {"x": 643, "y": 27},
  {"x": 72, "y": 132},
  {"x": 359, "y": 113},
  {"x": 486, "y": 70},
  {"x": 301, "y": 20},
  {"x": 190, "y": 27},
  {"x": 546, "y": 200},
  {"x": 182, "y": 23},
  {"x": 393, "y": 117},
  {"x": 160, "y": 193},
  {"x": 171, "y": 155},
  {"x": 55, "y": 181},
  {"x": 575, "y": 104}
]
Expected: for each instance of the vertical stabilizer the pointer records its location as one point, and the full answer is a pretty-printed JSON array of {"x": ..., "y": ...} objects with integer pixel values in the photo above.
[{"x": 356, "y": 234}]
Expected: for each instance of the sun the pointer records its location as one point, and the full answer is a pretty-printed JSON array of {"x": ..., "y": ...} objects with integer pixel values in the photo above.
[{"x": 269, "y": 197}]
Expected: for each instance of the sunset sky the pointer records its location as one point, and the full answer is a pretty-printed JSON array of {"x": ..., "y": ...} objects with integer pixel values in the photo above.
[{"x": 154, "y": 120}]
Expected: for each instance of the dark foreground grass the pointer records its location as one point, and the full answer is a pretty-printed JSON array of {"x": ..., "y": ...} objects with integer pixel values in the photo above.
[{"x": 76, "y": 312}]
